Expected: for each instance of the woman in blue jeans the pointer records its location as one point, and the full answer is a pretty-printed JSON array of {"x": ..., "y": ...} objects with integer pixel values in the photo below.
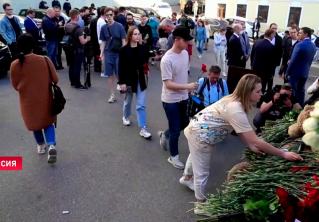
[
  {"x": 31, "y": 76},
  {"x": 133, "y": 59},
  {"x": 200, "y": 37}
]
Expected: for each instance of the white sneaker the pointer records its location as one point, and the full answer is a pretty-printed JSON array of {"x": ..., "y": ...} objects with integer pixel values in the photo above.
[
  {"x": 199, "y": 56},
  {"x": 188, "y": 183},
  {"x": 112, "y": 98},
  {"x": 144, "y": 133},
  {"x": 174, "y": 160},
  {"x": 42, "y": 148},
  {"x": 52, "y": 153},
  {"x": 198, "y": 210},
  {"x": 126, "y": 121},
  {"x": 103, "y": 75}
]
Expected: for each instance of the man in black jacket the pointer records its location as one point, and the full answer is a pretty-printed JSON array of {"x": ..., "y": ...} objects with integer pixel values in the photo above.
[
  {"x": 288, "y": 45},
  {"x": 146, "y": 32},
  {"x": 256, "y": 28},
  {"x": 121, "y": 17},
  {"x": 61, "y": 22},
  {"x": 277, "y": 42},
  {"x": 263, "y": 60},
  {"x": 235, "y": 54},
  {"x": 50, "y": 29}
]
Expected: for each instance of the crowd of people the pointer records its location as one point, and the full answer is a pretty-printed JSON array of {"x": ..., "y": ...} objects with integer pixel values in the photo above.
[{"x": 122, "y": 50}]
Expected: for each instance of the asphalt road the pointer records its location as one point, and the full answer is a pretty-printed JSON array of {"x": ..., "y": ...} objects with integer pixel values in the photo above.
[{"x": 105, "y": 171}]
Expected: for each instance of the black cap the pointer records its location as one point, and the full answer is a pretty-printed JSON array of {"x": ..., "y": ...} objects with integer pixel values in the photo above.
[{"x": 183, "y": 33}]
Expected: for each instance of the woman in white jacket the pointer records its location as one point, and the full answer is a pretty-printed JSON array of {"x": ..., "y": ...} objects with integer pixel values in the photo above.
[{"x": 220, "y": 43}]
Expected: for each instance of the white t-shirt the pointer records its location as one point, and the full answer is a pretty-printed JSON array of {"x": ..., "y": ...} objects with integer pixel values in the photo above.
[
  {"x": 99, "y": 24},
  {"x": 216, "y": 121},
  {"x": 174, "y": 67}
]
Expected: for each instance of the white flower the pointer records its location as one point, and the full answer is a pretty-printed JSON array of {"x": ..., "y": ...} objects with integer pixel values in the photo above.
[
  {"x": 312, "y": 139},
  {"x": 310, "y": 124},
  {"x": 315, "y": 113}
]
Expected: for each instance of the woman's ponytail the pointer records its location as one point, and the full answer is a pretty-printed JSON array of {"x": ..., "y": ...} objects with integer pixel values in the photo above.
[{"x": 21, "y": 57}]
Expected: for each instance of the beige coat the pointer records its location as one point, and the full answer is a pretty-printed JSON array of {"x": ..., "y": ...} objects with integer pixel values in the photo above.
[{"x": 32, "y": 81}]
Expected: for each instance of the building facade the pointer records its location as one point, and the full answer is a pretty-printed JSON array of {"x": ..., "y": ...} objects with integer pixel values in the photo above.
[{"x": 282, "y": 12}]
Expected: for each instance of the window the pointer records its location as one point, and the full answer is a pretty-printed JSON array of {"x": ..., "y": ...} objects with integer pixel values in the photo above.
[
  {"x": 263, "y": 13},
  {"x": 221, "y": 10},
  {"x": 294, "y": 16},
  {"x": 241, "y": 10}
]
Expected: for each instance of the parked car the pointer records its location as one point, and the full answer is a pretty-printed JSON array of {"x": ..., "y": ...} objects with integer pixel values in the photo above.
[
  {"x": 215, "y": 25},
  {"x": 248, "y": 24},
  {"x": 162, "y": 8},
  {"x": 140, "y": 11},
  {"x": 137, "y": 12},
  {"x": 5, "y": 60}
]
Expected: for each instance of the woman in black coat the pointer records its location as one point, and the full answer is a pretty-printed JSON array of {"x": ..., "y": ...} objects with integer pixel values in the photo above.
[{"x": 133, "y": 59}]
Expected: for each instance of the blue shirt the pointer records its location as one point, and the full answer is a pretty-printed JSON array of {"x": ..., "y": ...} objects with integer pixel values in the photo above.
[
  {"x": 200, "y": 33},
  {"x": 154, "y": 23},
  {"x": 214, "y": 93},
  {"x": 81, "y": 22},
  {"x": 116, "y": 31}
]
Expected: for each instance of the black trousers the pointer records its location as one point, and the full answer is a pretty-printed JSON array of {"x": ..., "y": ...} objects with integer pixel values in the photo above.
[
  {"x": 267, "y": 82},
  {"x": 14, "y": 50},
  {"x": 58, "y": 57},
  {"x": 75, "y": 63}
]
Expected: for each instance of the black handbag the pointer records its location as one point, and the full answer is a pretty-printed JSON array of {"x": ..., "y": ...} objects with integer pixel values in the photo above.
[{"x": 58, "y": 100}]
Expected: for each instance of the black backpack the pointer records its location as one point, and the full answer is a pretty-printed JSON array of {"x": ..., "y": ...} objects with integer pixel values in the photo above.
[
  {"x": 196, "y": 100},
  {"x": 68, "y": 41}
]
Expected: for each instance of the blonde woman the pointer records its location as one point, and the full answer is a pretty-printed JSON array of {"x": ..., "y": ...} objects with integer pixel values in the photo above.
[{"x": 211, "y": 126}]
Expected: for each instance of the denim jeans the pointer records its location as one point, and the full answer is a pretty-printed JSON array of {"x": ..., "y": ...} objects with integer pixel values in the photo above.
[
  {"x": 49, "y": 134},
  {"x": 76, "y": 62},
  {"x": 176, "y": 114},
  {"x": 52, "y": 48},
  {"x": 200, "y": 46},
  {"x": 140, "y": 106},
  {"x": 298, "y": 88}
]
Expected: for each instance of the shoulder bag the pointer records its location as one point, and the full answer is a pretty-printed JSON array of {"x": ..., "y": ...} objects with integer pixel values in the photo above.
[{"x": 58, "y": 100}]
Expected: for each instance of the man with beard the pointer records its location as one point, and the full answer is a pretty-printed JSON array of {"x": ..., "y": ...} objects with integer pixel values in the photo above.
[{"x": 129, "y": 21}]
